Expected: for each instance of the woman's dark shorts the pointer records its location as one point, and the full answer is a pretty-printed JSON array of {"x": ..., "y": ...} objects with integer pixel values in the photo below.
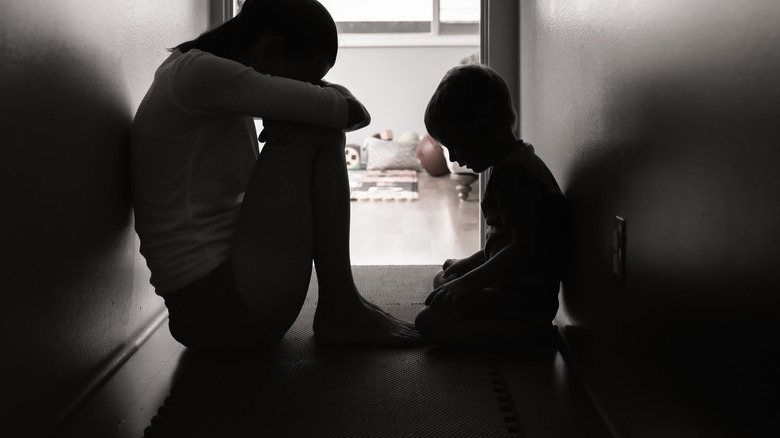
[{"x": 209, "y": 314}]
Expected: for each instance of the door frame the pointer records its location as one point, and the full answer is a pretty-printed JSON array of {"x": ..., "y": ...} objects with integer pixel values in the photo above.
[{"x": 499, "y": 48}]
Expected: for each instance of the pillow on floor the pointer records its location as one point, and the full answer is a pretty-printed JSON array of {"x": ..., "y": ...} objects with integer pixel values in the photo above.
[{"x": 391, "y": 155}]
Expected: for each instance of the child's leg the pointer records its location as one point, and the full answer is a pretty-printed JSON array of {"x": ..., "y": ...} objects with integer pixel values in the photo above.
[
  {"x": 296, "y": 209},
  {"x": 487, "y": 318}
]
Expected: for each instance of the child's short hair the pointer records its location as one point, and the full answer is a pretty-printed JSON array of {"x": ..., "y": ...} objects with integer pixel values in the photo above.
[{"x": 468, "y": 93}]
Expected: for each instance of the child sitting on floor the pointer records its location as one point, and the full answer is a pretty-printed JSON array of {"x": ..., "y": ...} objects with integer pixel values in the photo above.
[{"x": 507, "y": 293}]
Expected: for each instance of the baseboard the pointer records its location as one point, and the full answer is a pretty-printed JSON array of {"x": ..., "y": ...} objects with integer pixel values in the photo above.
[
  {"x": 100, "y": 378},
  {"x": 571, "y": 363}
]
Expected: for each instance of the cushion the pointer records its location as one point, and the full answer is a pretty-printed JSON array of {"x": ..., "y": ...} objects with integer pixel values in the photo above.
[
  {"x": 431, "y": 157},
  {"x": 391, "y": 155}
]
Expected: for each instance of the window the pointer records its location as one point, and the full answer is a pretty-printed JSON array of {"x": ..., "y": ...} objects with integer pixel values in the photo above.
[
  {"x": 439, "y": 17},
  {"x": 404, "y": 22},
  {"x": 459, "y": 17},
  {"x": 381, "y": 16}
]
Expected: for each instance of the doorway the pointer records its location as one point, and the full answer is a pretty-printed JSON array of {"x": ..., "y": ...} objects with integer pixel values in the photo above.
[{"x": 392, "y": 60}]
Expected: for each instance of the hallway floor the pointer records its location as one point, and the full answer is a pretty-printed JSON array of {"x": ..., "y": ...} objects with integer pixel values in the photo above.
[
  {"x": 544, "y": 398},
  {"x": 423, "y": 232},
  {"x": 427, "y": 231}
]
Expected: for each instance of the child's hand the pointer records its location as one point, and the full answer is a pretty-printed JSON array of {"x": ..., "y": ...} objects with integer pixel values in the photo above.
[
  {"x": 447, "y": 263},
  {"x": 448, "y": 295},
  {"x": 454, "y": 268},
  {"x": 276, "y": 132}
]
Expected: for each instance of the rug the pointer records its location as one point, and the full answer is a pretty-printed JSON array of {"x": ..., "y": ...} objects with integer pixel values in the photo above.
[
  {"x": 302, "y": 390},
  {"x": 384, "y": 185}
]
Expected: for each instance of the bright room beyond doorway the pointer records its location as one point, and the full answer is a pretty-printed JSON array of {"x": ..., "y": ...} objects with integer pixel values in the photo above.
[
  {"x": 426, "y": 231},
  {"x": 392, "y": 59},
  {"x": 394, "y": 74}
]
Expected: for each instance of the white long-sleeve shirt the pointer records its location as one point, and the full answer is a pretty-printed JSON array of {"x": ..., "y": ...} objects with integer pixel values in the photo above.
[{"x": 192, "y": 150}]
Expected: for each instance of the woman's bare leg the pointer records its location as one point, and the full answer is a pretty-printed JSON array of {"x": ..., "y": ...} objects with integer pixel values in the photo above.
[
  {"x": 343, "y": 316},
  {"x": 296, "y": 210}
]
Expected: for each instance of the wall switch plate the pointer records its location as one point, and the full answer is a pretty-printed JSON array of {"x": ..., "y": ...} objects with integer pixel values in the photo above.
[{"x": 619, "y": 252}]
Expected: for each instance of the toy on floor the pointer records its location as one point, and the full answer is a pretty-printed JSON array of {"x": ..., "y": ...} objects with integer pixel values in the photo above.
[
  {"x": 431, "y": 156},
  {"x": 352, "y": 155}
]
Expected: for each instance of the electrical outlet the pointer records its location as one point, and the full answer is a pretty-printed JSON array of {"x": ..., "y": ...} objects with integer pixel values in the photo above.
[{"x": 619, "y": 251}]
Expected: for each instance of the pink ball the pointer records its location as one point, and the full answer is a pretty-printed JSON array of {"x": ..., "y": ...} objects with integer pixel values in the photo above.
[{"x": 432, "y": 157}]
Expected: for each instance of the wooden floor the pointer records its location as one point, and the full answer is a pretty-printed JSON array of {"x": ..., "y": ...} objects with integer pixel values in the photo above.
[{"x": 427, "y": 231}]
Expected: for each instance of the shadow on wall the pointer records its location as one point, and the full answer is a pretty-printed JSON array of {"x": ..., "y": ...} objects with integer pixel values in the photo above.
[
  {"x": 665, "y": 113},
  {"x": 67, "y": 279},
  {"x": 691, "y": 166},
  {"x": 75, "y": 289}
]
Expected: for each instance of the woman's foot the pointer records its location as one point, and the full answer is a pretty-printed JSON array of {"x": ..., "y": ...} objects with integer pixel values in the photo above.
[{"x": 362, "y": 324}]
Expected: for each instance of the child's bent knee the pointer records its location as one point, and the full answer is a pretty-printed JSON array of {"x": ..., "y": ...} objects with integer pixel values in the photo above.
[
  {"x": 430, "y": 325},
  {"x": 422, "y": 321},
  {"x": 438, "y": 279}
]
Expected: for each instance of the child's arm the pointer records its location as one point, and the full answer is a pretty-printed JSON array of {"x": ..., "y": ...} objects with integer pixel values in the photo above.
[
  {"x": 485, "y": 274},
  {"x": 455, "y": 268}
]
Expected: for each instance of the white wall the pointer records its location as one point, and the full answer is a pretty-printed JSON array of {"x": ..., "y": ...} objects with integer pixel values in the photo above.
[{"x": 394, "y": 83}]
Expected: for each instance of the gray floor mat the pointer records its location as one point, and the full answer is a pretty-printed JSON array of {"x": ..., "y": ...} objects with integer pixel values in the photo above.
[{"x": 300, "y": 390}]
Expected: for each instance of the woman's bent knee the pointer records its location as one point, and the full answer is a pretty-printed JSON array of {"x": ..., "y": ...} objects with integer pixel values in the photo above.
[
  {"x": 333, "y": 136},
  {"x": 319, "y": 135}
]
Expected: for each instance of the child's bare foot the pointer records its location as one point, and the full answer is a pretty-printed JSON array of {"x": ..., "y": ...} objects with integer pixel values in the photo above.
[{"x": 363, "y": 325}]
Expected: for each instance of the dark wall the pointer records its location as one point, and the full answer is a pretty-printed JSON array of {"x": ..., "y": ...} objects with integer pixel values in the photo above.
[
  {"x": 74, "y": 288},
  {"x": 665, "y": 113}
]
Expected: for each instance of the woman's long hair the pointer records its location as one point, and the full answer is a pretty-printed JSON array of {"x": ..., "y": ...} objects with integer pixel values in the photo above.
[{"x": 306, "y": 27}]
